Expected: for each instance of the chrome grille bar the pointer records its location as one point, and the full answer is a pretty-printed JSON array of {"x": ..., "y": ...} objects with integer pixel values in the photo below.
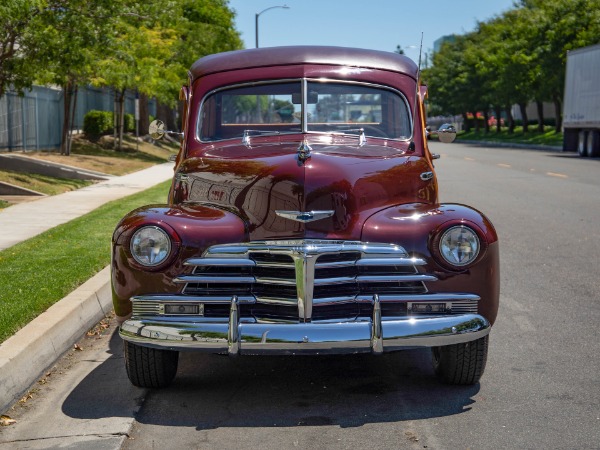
[{"x": 304, "y": 274}]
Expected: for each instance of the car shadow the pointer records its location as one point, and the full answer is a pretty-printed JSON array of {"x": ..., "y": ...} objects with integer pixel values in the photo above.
[{"x": 213, "y": 391}]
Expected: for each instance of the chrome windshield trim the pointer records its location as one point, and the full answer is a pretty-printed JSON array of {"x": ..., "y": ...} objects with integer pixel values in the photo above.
[{"x": 304, "y": 81}]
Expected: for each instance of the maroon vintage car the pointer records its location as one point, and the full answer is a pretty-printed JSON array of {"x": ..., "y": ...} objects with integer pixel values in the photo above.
[{"x": 303, "y": 218}]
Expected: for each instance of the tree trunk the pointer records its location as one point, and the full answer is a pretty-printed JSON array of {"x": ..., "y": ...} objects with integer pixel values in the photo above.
[
  {"x": 466, "y": 123},
  {"x": 122, "y": 119},
  {"x": 557, "y": 112},
  {"x": 476, "y": 120},
  {"x": 540, "y": 112},
  {"x": 70, "y": 134},
  {"x": 486, "y": 121},
  {"x": 115, "y": 119},
  {"x": 524, "y": 118},
  {"x": 66, "y": 117},
  {"x": 498, "y": 112},
  {"x": 144, "y": 115},
  {"x": 511, "y": 120}
]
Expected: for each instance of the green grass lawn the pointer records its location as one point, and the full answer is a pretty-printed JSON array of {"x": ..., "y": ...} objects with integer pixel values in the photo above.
[
  {"x": 38, "y": 272},
  {"x": 3, "y": 204},
  {"x": 533, "y": 137},
  {"x": 42, "y": 183}
]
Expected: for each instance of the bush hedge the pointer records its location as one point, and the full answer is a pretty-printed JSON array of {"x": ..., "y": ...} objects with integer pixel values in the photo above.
[{"x": 97, "y": 123}]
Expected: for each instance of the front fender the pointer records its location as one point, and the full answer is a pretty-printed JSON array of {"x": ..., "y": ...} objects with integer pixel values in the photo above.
[
  {"x": 415, "y": 227},
  {"x": 193, "y": 228}
]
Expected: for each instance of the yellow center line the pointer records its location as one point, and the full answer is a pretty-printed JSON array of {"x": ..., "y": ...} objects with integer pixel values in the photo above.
[
  {"x": 508, "y": 166},
  {"x": 558, "y": 175},
  {"x": 469, "y": 159}
]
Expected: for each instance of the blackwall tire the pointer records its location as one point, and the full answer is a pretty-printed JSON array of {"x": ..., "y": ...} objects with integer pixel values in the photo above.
[
  {"x": 582, "y": 143},
  {"x": 461, "y": 364},
  {"x": 150, "y": 367},
  {"x": 593, "y": 144}
]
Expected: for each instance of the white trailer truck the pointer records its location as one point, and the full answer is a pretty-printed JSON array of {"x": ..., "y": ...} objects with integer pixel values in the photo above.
[{"x": 581, "y": 106}]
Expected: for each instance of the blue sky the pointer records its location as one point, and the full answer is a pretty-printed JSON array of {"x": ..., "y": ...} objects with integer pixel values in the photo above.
[{"x": 374, "y": 24}]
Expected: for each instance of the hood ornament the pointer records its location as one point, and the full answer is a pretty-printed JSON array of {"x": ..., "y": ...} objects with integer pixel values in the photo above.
[
  {"x": 301, "y": 216},
  {"x": 304, "y": 151}
]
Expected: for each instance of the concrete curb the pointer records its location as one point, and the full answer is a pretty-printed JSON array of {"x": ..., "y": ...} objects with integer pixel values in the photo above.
[
  {"x": 548, "y": 148},
  {"x": 26, "y": 355}
]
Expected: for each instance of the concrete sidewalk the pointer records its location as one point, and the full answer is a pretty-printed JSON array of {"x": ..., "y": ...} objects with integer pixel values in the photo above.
[
  {"x": 26, "y": 355},
  {"x": 23, "y": 221}
]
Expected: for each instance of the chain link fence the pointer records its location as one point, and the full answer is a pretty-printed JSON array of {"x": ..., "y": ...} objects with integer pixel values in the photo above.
[{"x": 34, "y": 120}]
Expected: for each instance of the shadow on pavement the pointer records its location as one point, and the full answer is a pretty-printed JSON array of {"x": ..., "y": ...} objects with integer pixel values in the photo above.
[{"x": 212, "y": 391}]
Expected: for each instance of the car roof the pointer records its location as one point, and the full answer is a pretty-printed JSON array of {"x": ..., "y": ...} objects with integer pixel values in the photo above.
[{"x": 298, "y": 55}]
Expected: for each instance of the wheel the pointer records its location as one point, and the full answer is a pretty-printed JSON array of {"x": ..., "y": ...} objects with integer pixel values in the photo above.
[
  {"x": 461, "y": 363},
  {"x": 582, "y": 143},
  {"x": 149, "y": 367},
  {"x": 593, "y": 144}
]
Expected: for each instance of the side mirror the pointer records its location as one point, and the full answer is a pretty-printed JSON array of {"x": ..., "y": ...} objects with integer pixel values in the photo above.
[
  {"x": 157, "y": 131},
  {"x": 446, "y": 133}
]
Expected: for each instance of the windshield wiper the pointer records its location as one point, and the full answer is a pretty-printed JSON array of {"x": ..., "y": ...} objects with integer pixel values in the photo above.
[
  {"x": 249, "y": 133},
  {"x": 362, "y": 139}
]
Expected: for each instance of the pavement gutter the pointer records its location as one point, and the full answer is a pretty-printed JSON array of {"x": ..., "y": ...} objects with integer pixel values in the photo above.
[{"x": 26, "y": 355}]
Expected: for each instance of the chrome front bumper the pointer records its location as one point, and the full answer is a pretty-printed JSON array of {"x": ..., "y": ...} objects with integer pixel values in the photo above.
[{"x": 370, "y": 335}]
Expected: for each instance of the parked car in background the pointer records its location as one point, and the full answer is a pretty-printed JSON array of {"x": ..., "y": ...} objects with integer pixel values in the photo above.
[{"x": 303, "y": 218}]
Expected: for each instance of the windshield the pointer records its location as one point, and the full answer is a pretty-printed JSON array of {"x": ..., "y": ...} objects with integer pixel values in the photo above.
[{"x": 330, "y": 107}]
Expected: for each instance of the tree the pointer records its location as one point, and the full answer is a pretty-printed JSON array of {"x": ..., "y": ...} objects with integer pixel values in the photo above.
[
  {"x": 72, "y": 35},
  {"x": 16, "y": 69}
]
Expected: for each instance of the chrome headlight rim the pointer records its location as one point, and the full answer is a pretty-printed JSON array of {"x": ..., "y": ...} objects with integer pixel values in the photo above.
[
  {"x": 438, "y": 251},
  {"x": 167, "y": 255}
]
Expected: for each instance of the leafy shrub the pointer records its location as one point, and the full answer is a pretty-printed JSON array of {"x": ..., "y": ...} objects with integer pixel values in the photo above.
[
  {"x": 129, "y": 122},
  {"x": 97, "y": 123}
]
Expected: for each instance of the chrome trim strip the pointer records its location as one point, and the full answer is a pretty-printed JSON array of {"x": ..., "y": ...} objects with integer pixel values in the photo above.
[
  {"x": 175, "y": 298},
  {"x": 280, "y": 281},
  {"x": 312, "y": 246},
  {"x": 450, "y": 297},
  {"x": 232, "y": 262},
  {"x": 384, "y": 298},
  {"x": 391, "y": 262},
  {"x": 276, "y": 300},
  {"x": 211, "y": 279},
  {"x": 293, "y": 338},
  {"x": 394, "y": 278}
]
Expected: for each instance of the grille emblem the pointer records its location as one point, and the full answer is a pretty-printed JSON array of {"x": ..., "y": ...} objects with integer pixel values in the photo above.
[{"x": 301, "y": 216}]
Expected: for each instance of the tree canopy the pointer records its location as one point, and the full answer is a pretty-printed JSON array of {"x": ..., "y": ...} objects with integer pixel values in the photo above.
[
  {"x": 124, "y": 44},
  {"x": 515, "y": 58}
]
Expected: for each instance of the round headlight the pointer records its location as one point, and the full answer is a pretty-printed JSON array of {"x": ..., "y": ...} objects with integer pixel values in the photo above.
[
  {"x": 459, "y": 246},
  {"x": 150, "y": 246}
]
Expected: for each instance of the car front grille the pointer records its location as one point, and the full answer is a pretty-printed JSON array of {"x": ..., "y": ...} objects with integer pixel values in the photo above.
[{"x": 307, "y": 280}]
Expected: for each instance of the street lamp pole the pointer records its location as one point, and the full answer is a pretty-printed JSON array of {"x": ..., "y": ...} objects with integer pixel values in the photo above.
[{"x": 258, "y": 14}]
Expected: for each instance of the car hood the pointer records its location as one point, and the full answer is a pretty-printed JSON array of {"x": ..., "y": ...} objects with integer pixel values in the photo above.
[{"x": 270, "y": 187}]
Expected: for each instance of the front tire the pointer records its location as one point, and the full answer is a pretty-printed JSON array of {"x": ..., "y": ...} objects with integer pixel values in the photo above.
[
  {"x": 150, "y": 367},
  {"x": 461, "y": 364}
]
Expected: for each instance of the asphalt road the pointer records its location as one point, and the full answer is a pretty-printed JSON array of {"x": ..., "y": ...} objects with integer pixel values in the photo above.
[{"x": 541, "y": 389}]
